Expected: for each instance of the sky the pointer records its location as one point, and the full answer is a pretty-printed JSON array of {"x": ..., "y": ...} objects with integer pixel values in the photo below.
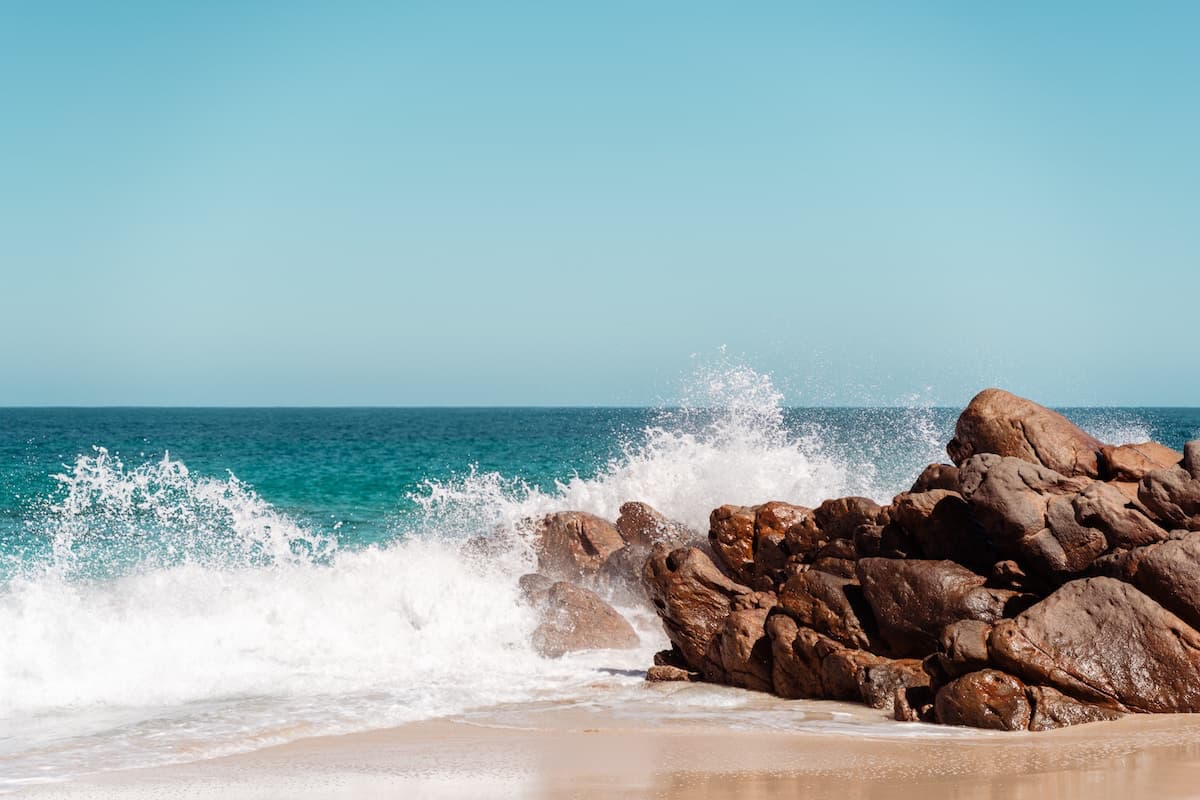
[{"x": 408, "y": 203}]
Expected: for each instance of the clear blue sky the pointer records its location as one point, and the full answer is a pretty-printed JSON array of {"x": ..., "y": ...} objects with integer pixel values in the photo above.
[{"x": 560, "y": 203}]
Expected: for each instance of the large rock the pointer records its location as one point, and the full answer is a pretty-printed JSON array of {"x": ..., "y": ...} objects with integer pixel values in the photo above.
[
  {"x": 692, "y": 598},
  {"x": 831, "y": 605},
  {"x": 573, "y": 544},
  {"x": 577, "y": 619},
  {"x": 913, "y": 601},
  {"x": 640, "y": 524},
  {"x": 740, "y": 652},
  {"x": 1056, "y": 524},
  {"x": 1132, "y": 462},
  {"x": 996, "y": 421},
  {"x": 731, "y": 534},
  {"x": 963, "y": 647},
  {"x": 1103, "y": 641},
  {"x": 1172, "y": 495},
  {"x": 985, "y": 699}
]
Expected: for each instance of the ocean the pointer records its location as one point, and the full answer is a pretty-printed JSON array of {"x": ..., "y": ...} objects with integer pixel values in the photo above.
[{"x": 182, "y": 583}]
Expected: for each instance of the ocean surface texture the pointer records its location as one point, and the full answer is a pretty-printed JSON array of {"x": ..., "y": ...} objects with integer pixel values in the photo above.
[{"x": 180, "y": 583}]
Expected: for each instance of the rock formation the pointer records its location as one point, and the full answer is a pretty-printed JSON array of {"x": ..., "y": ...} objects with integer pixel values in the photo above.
[{"x": 1043, "y": 579}]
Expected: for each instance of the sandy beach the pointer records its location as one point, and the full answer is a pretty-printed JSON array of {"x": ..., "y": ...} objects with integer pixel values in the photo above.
[{"x": 569, "y": 754}]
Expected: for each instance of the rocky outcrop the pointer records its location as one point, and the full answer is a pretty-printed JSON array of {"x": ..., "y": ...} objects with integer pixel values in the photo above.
[
  {"x": 575, "y": 619},
  {"x": 1044, "y": 579},
  {"x": 1001, "y": 423}
]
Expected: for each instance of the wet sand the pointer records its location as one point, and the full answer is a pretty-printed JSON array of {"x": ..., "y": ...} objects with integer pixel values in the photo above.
[{"x": 574, "y": 755}]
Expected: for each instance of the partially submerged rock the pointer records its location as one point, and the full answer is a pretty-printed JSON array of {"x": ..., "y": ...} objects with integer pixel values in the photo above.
[{"x": 575, "y": 619}]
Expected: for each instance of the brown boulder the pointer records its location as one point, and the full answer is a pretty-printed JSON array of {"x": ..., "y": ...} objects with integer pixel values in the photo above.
[
  {"x": 740, "y": 652},
  {"x": 806, "y": 664},
  {"x": 936, "y": 476},
  {"x": 772, "y": 548},
  {"x": 1104, "y": 641},
  {"x": 1131, "y": 462},
  {"x": 731, "y": 533},
  {"x": 1172, "y": 495},
  {"x": 841, "y": 517},
  {"x": 963, "y": 647},
  {"x": 913, "y": 601},
  {"x": 831, "y": 605},
  {"x": 941, "y": 524},
  {"x": 1053, "y": 709},
  {"x": 985, "y": 699},
  {"x": 572, "y": 544},
  {"x": 640, "y": 524},
  {"x": 692, "y": 598},
  {"x": 577, "y": 619},
  {"x": 996, "y": 421}
]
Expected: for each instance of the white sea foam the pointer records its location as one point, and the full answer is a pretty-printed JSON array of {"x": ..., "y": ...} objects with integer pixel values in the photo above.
[{"x": 215, "y": 623}]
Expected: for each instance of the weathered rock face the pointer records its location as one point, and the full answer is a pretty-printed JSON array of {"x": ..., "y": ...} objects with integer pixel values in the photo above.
[
  {"x": 740, "y": 652},
  {"x": 1191, "y": 458},
  {"x": 1169, "y": 573},
  {"x": 1104, "y": 641},
  {"x": 963, "y": 647},
  {"x": 913, "y": 601},
  {"x": 1172, "y": 495},
  {"x": 692, "y": 597},
  {"x": 998, "y": 422},
  {"x": 985, "y": 699},
  {"x": 941, "y": 524},
  {"x": 1055, "y": 524},
  {"x": 640, "y": 524},
  {"x": 840, "y": 518},
  {"x": 1043, "y": 580},
  {"x": 831, "y": 605},
  {"x": 1132, "y": 462},
  {"x": 577, "y": 619},
  {"x": 572, "y": 544},
  {"x": 731, "y": 534},
  {"x": 806, "y": 664}
]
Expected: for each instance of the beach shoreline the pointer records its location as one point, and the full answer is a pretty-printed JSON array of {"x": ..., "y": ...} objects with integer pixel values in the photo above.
[{"x": 573, "y": 754}]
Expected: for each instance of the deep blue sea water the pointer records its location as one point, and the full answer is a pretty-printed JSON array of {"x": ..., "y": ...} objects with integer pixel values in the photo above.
[{"x": 183, "y": 582}]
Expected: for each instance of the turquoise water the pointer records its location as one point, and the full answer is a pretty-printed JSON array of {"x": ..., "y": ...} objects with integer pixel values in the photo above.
[{"x": 183, "y": 582}]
